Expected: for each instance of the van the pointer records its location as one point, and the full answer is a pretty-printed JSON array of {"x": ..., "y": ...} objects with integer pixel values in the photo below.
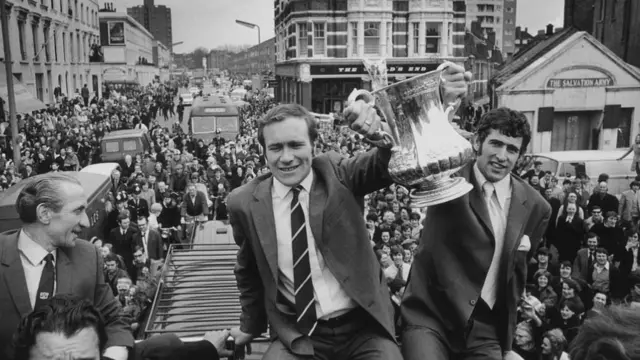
[
  {"x": 96, "y": 187},
  {"x": 116, "y": 144},
  {"x": 566, "y": 164}
]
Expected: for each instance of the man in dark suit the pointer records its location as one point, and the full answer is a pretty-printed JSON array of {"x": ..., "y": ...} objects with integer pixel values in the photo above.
[
  {"x": 469, "y": 274},
  {"x": 601, "y": 198},
  {"x": 585, "y": 258},
  {"x": 194, "y": 203},
  {"x": 150, "y": 239},
  {"x": 45, "y": 258},
  {"x": 124, "y": 241}
]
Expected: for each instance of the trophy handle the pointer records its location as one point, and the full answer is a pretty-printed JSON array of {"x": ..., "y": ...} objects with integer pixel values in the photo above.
[{"x": 380, "y": 138}]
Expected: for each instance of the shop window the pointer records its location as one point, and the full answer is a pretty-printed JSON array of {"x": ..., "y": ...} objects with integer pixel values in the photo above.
[
  {"x": 371, "y": 38},
  {"x": 433, "y": 37},
  {"x": 416, "y": 38}
]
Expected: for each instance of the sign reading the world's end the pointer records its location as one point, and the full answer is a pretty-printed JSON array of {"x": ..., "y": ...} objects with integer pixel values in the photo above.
[{"x": 579, "y": 83}]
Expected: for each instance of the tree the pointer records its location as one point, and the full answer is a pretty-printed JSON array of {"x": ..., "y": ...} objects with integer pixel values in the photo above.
[{"x": 198, "y": 54}]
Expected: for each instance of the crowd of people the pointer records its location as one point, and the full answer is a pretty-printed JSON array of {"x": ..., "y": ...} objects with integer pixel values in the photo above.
[{"x": 588, "y": 259}]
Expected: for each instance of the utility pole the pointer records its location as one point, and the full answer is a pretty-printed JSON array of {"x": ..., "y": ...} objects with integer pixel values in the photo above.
[{"x": 13, "y": 122}]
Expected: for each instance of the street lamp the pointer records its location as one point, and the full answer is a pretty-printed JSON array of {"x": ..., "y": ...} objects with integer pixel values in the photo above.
[{"x": 250, "y": 26}]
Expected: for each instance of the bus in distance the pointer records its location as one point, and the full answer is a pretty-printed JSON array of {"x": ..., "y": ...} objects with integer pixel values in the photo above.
[{"x": 211, "y": 113}]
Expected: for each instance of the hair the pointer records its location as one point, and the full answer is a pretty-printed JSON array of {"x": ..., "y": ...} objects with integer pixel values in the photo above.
[
  {"x": 611, "y": 335},
  {"x": 283, "y": 112},
  {"x": 540, "y": 273},
  {"x": 602, "y": 250},
  {"x": 63, "y": 314},
  {"x": 46, "y": 190},
  {"x": 557, "y": 341},
  {"x": 572, "y": 284},
  {"x": 591, "y": 235},
  {"x": 122, "y": 216},
  {"x": 138, "y": 248},
  {"x": 566, "y": 263},
  {"x": 508, "y": 122}
]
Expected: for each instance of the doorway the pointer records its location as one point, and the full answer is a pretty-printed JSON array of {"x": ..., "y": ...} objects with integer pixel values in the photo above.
[{"x": 572, "y": 130}]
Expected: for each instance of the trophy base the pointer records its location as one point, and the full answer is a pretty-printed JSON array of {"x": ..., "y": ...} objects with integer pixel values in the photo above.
[{"x": 439, "y": 192}]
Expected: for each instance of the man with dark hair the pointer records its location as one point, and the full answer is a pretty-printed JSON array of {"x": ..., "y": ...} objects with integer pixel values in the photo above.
[
  {"x": 305, "y": 264},
  {"x": 468, "y": 275},
  {"x": 124, "y": 239},
  {"x": 44, "y": 258},
  {"x": 612, "y": 335},
  {"x": 67, "y": 327}
]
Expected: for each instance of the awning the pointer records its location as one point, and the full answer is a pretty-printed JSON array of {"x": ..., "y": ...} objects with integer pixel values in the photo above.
[{"x": 25, "y": 101}]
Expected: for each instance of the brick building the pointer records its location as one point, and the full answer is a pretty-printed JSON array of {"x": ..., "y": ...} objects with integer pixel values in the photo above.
[{"x": 320, "y": 44}]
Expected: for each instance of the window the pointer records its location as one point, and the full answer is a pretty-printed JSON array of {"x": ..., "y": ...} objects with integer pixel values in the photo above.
[
  {"x": 64, "y": 48},
  {"x": 319, "y": 39},
  {"x": 401, "y": 5},
  {"x": 34, "y": 33},
  {"x": 21, "y": 35},
  {"x": 55, "y": 45},
  {"x": 129, "y": 145},
  {"x": 52, "y": 4},
  {"x": 354, "y": 38},
  {"x": 416, "y": 38},
  {"x": 433, "y": 36},
  {"x": 111, "y": 146},
  {"x": 303, "y": 41},
  {"x": 498, "y": 7},
  {"x": 47, "y": 53},
  {"x": 82, "y": 12},
  {"x": 509, "y": 22},
  {"x": 75, "y": 10},
  {"x": 371, "y": 38},
  {"x": 509, "y": 9}
]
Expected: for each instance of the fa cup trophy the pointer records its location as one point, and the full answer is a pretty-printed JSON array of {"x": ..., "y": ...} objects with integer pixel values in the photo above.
[{"x": 426, "y": 149}]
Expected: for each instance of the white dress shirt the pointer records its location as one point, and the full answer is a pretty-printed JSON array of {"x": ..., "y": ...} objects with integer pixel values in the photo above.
[
  {"x": 503, "y": 194},
  {"x": 331, "y": 299},
  {"x": 145, "y": 240},
  {"x": 32, "y": 258}
]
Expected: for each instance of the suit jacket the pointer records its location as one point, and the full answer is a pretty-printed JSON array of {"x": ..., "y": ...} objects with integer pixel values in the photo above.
[
  {"x": 452, "y": 261},
  {"x": 124, "y": 245},
  {"x": 79, "y": 271},
  {"x": 627, "y": 199},
  {"x": 581, "y": 265},
  {"x": 154, "y": 244},
  {"x": 138, "y": 210},
  {"x": 199, "y": 207},
  {"x": 170, "y": 347},
  {"x": 337, "y": 222}
]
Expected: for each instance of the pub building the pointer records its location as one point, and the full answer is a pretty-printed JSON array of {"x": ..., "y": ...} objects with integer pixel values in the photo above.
[
  {"x": 576, "y": 93},
  {"x": 323, "y": 85}
]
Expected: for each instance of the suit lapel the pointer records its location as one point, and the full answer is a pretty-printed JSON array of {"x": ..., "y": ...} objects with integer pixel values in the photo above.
[
  {"x": 64, "y": 272},
  {"x": 518, "y": 213},
  {"x": 317, "y": 200},
  {"x": 476, "y": 200},
  {"x": 263, "y": 219},
  {"x": 14, "y": 275}
]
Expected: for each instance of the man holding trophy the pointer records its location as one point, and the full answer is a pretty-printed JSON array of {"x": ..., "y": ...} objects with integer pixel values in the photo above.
[{"x": 305, "y": 264}]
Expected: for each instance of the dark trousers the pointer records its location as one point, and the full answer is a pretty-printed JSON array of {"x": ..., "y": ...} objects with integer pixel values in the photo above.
[
  {"x": 482, "y": 341},
  {"x": 353, "y": 336}
]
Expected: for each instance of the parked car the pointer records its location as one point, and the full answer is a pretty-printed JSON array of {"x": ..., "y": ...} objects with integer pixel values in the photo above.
[{"x": 566, "y": 164}]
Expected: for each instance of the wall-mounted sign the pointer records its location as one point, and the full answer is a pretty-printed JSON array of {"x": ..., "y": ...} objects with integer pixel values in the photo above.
[
  {"x": 358, "y": 69},
  {"x": 579, "y": 83},
  {"x": 305, "y": 73},
  {"x": 116, "y": 32}
]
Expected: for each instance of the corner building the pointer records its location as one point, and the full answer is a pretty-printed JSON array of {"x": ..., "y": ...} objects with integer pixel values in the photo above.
[{"x": 320, "y": 45}]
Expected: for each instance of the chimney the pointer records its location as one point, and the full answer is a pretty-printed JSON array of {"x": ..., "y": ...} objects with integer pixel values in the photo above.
[
  {"x": 549, "y": 29},
  {"x": 518, "y": 32},
  {"x": 540, "y": 32},
  {"x": 526, "y": 30},
  {"x": 491, "y": 37}
]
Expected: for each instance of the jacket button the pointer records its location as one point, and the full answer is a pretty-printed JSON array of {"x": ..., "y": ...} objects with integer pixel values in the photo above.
[{"x": 472, "y": 303}]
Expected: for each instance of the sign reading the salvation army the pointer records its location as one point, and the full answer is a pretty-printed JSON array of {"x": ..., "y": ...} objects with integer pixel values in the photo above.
[{"x": 579, "y": 83}]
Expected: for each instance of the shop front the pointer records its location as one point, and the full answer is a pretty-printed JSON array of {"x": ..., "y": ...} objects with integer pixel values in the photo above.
[
  {"x": 323, "y": 85},
  {"x": 576, "y": 94}
]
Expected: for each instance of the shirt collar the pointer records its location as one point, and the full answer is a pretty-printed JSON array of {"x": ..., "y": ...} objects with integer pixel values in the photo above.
[
  {"x": 502, "y": 187},
  {"x": 606, "y": 266},
  {"x": 32, "y": 250},
  {"x": 280, "y": 190}
]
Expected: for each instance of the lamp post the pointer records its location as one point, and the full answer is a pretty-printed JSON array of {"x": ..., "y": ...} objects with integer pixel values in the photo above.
[
  {"x": 250, "y": 26},
  {"x": 171, "y": 58}
]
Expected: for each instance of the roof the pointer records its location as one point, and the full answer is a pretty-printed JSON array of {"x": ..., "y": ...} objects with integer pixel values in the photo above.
[
  {"x": 90, "y": 182},
  {"x": 529, "y": 54},
  {"x": 123, "y": 133},
  {"x": 583, "y": 155},
  {"x": 101, "y": 168}
]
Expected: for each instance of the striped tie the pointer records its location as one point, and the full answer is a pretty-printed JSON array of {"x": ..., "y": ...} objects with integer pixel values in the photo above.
[{"x": 305, "y": 301}]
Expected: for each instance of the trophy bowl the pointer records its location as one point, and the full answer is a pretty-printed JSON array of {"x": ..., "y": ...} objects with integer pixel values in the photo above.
[{"x": 426, "y": 149}]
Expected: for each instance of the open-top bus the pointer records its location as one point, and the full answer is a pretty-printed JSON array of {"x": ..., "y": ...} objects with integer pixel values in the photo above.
[{"x": 211, "y": 113}]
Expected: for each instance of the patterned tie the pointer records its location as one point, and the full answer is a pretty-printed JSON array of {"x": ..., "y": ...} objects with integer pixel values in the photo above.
[
  {"x": 47, "y": 282},
  {"x": 305, "y": 300},
  {"x": 498, "y": 224}
]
